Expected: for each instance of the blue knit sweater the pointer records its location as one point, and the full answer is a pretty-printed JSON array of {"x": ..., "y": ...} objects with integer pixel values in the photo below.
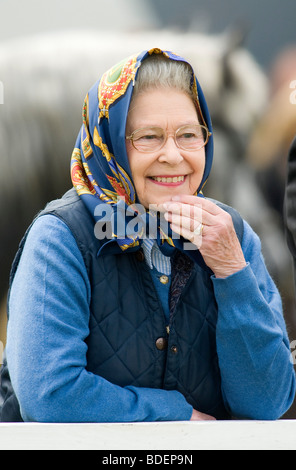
[{"x": 49, "y": 314}]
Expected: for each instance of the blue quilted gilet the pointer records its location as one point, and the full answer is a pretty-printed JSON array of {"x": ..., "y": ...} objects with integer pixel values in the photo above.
[{"x": 129, "y": 341}]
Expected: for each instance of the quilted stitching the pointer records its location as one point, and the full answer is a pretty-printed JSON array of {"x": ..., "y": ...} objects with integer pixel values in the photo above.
[{"x": 127, "y": 318}]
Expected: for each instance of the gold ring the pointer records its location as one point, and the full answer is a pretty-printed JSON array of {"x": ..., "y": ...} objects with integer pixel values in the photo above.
[{"x": 198, "y": 230}]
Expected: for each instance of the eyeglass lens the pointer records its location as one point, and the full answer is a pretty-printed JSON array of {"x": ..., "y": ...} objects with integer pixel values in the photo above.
[{"x": 192, "y": 137}]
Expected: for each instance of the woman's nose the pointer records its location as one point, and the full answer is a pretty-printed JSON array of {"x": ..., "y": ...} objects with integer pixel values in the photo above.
[{"x": 170, "y": 153}]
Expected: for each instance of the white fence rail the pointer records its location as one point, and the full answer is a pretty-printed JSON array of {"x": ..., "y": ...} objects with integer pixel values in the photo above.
[{"x": 169, "y": 436}]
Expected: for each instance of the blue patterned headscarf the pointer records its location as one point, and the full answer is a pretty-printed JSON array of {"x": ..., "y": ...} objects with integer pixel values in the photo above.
[{"x": 100, "y": 170}]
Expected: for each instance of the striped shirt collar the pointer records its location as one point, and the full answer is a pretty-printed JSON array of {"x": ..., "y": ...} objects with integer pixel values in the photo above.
[{"x": 155, "y": 258}]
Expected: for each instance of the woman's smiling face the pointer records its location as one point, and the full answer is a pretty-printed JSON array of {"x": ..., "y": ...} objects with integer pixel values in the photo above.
[{"x": 170, "y": 171}]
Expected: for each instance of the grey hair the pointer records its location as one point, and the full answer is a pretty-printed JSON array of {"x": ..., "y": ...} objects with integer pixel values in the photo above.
[{"x": 158, "y": 71}]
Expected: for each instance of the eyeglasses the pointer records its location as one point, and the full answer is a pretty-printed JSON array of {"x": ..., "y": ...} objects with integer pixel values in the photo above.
[{"x": 191, "y": 137}]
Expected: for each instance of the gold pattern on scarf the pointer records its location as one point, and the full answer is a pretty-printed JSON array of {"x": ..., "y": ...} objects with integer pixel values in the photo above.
[
  {"x": 120, "y": 182},
  {"x": 103, "y": 147},
  {"x": 79, "y": 175},
  {"x": 114, "y": 84},
  {"x": 85, "y": 143}
]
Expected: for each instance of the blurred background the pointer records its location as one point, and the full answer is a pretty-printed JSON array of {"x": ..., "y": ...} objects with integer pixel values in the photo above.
[{"x": 244, "y": 53}]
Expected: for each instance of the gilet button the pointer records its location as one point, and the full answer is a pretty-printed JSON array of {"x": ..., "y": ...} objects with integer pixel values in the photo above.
[
  {"x": 174, "y": 349},
  {"x": 140, "y": 255},
  {"x": 164, "y": 279},
  {"x": 161, "y": 343}
]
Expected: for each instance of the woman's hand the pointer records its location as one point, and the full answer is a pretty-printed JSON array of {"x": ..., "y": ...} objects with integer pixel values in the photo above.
[
  {"x": 210, "y": 228},
  {"x": 198, "y": 416}
]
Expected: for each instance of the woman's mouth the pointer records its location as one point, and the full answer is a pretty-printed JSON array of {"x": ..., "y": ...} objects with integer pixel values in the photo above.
[{"x": 169, "y": 180}]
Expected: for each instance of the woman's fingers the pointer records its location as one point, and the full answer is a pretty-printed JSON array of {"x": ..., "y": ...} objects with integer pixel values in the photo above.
[
  {"x": 196, "y": 239},
  {"x": 184, "y": 215},
  {"x": 202, "y": 202},
  {"x": 195, "y": 208},
  {"x": 210, "y": 229}
]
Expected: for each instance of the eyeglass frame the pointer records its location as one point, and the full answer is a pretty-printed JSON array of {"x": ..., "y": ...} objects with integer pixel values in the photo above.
[{"x": 167, "y": 135}]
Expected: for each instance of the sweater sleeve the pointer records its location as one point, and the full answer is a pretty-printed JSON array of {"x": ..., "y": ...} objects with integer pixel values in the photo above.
[
  {"x": 46, "y": 349},
  {"x": 252, "y": 343}
]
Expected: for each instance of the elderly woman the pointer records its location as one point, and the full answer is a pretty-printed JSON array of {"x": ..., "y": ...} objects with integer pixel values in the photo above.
[{"x": 135, "y": 298}]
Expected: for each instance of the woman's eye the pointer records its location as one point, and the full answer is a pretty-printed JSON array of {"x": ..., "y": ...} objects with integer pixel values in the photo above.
[
  {"x": 149, "y": 137},
  {"x": 188, "y": 135}
]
